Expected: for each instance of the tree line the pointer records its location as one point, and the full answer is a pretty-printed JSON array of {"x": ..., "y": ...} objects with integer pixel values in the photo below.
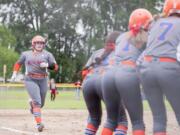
[{"x": 73, "y": 28}]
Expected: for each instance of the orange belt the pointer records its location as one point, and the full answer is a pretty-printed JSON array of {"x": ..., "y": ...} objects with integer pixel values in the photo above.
[
  {"x": 128, "y": 62},
  {"x": 35, "y": 75},
  {"x": 161, "y": 59}
]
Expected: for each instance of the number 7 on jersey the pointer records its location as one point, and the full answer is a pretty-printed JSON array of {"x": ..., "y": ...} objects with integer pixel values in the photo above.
[{"x": 167, "y": 27}]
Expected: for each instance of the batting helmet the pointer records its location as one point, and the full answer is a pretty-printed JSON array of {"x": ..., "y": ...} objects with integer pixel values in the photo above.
[
  {"x": 37, "y": 39},
  {"x": 139, "y": 19},
  {"x": 171, "y": 7}
]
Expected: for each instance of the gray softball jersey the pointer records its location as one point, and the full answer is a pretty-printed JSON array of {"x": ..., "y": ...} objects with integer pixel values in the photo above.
[
  {"x": 124, "y": 50},
  {"x": 32, "y": 61},
  {"x": 164, "y": 39}
]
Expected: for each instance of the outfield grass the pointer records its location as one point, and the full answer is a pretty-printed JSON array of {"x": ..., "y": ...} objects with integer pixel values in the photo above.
[{"x": 18, "y": 99}]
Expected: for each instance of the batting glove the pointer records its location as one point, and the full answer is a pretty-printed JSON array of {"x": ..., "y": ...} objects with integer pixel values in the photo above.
[
  {"x": 14, "y": 76},
  {"x": 44, "y": 65}
]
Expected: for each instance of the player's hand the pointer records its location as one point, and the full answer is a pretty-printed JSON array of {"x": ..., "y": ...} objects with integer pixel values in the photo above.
[
  {"x": 44, "y": 64},
  {"x": 14, "y": 76}
]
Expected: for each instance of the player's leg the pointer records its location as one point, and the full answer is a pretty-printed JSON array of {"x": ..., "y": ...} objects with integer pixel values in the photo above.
[
  {"x": 154, "y": 95},
  {"x": 111, "y": 100},
  {"x": 169, "y": 78},
  {"x": 122, "y": 127},
  {"x": 51, "y": 96},
  {"x": 129, "y": 89},
  {"x": 93, "y": 103},
  {"x": 34, "y": 92},
  {"x": 54, "y": 96},
  {"x": 43, "y": 85}
]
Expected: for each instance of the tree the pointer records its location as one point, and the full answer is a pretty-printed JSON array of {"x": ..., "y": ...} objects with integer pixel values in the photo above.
[
  {"x": 7, "y": 40},
  {"x": 7, "y": 54},
  {"x": 57, "y": 20},
  {"x": 8, "y": 58}
]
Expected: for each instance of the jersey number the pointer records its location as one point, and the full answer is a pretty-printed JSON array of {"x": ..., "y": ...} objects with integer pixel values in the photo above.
[
  {"x": 167, "y": 27},
  {"x": 126, "y": 48}
]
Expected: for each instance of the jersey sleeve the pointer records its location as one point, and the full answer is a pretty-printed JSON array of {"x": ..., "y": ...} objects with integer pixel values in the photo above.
[
  {"x": 52, "y": 63},
  {"x": 90, "y": 61},
  {"x": 21, "y": 59},
  {"x": 51, "y": 59},
  {"x": 19, "y": 62}
]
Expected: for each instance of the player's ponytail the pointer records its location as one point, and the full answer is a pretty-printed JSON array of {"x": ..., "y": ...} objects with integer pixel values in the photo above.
[{"x": 109, "y": 45}]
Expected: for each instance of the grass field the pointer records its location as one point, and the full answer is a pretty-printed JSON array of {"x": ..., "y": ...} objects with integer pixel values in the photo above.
[
  {"x": 66, "y": 115},
  {"x": 18, "y": 99}
]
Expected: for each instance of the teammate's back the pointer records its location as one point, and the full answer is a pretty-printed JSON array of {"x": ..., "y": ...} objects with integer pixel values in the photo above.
[{"x": 164, "y": 37}]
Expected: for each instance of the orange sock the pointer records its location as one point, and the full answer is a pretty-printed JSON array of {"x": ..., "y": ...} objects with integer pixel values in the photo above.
[
  {"x": 160, "y": 133},
  {"x": 37, "y": 114},
  {"x": 138, "y": 132},
  {"x": 107, "y": 131},
  {"x": 90, "y": 129},
  {"x": 121, "y": 130}
]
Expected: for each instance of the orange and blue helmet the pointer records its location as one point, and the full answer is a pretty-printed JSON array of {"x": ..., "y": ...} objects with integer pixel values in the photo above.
[{"x": 139, "y": 19}]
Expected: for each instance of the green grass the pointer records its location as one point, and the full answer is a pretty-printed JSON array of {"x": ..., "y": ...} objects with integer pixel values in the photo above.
[{"x": 18, "y": 99}]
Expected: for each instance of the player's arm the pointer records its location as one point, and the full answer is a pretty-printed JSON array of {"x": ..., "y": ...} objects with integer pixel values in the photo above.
[
  {"x": 53, "y": 66},
  {"x": 178, "y": 52},
  {"x": 17, "y": 66},
  {"x": 19, "y": 63},
  {"x": 86, "y": 69},
  {"x": 90, "y": 63},
  {"x": 52, "y": 63}
]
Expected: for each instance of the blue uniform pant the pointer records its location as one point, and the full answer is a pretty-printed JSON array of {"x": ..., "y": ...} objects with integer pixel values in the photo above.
[
  {"x": 93, "y": 95},
  {"x": 114, "y": 107},
  {"x": 128, "y": 87},
  {"x": 160, "y": 80}
]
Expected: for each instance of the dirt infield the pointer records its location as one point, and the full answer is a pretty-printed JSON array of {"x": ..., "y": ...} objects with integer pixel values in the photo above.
[{"x": 61, "y": 122}]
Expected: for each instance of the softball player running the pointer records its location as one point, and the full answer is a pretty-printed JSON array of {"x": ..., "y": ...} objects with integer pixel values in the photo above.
[
  {"x": 159, "y": 70},
  {"x": 92, "y": 89},
  {"x": 36, "y": 62},
  {"x": 124, "y": 77}
]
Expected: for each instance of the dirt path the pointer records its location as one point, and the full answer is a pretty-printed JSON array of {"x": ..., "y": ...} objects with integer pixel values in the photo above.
[{"x": 61, "y": 122}]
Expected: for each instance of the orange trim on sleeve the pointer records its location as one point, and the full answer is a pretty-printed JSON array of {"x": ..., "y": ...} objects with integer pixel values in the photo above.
[
  {"x": 84, "y": 73},
  {"x": 16, "y": 67}
]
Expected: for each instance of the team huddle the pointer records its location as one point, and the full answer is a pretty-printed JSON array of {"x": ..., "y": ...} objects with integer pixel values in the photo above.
[{"x": 147, "y": 55}]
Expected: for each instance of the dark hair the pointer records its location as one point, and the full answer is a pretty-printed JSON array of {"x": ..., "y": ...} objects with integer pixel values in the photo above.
[{"x": 111, "y": 38}]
